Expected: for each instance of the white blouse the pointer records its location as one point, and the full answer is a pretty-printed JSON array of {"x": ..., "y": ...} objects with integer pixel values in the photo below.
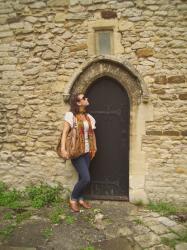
[{"x": 69, "y": 118}]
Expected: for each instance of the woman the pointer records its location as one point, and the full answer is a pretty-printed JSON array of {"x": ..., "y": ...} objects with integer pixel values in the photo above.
[{"x": 85, "y": 125}]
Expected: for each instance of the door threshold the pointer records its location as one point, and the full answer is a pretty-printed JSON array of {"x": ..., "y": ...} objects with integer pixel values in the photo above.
[{"x": 106, "y": 197}]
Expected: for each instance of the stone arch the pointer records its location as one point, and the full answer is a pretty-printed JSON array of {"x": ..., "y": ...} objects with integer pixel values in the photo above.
[
  {"x": 120, "y": 70},
  {"x": 141, "y": 110}
]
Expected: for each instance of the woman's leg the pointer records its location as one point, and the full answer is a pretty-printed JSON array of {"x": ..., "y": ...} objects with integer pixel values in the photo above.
[{"x": 81, "y": 164}]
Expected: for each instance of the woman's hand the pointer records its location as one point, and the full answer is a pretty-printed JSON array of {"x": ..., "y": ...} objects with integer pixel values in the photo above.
[{"x": 64, "y": 153}]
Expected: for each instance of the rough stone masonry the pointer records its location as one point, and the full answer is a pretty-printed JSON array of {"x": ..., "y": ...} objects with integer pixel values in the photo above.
[{"x": 42, "y": 44}]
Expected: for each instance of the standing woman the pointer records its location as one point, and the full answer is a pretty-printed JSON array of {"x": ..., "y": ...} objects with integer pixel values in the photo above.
[{"x": 85, "y": 125}]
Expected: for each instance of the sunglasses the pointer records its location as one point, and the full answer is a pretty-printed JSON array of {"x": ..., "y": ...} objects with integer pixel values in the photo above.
[{"x": 83, "y": 98}]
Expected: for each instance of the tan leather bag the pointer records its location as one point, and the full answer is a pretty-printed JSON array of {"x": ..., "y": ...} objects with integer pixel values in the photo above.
[{"x": 72, "y": 144}]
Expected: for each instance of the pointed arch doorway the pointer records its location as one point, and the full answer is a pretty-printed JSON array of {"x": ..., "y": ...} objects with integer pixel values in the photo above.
[
  {"x": 95, "y": 78},
  {"x": 109, "y": 170}
]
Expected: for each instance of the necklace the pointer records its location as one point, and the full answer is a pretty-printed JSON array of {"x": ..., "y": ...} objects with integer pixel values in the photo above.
[
  {"x": 82, "y": 110},
  {"x": 82, "y": 116}
]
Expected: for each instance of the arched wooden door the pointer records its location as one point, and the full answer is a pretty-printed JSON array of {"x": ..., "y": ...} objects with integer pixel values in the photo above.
[{"x": 109, "y": 105}]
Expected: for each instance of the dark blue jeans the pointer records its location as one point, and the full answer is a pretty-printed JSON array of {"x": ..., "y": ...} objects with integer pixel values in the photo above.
[{"x": 81, "y": 164}]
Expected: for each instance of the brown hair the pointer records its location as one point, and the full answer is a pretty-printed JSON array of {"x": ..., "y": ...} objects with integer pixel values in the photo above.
[{"x": 74, "y": 108}]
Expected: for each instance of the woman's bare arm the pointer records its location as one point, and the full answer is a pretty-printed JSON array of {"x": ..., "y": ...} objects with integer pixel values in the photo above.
[{"x": 95, "y": 139}]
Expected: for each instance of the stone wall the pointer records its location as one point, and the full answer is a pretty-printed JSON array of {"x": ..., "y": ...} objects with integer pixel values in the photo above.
[{"x": 42, "y": 44}]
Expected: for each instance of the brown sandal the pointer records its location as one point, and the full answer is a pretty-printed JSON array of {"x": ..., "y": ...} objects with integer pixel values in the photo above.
[
  {"x": 74, "y": 206},
  {"x": 84, "y": 204}
]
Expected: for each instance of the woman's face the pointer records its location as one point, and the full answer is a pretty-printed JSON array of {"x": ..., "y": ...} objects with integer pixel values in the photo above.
[{"x": 83, "y": 101}]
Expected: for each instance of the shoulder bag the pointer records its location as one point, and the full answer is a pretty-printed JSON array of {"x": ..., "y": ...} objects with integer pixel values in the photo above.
[{"x": 72, "y": 144}]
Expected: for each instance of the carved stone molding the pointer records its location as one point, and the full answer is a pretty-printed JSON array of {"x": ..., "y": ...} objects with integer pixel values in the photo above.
[{"x": 117, "y": 69}]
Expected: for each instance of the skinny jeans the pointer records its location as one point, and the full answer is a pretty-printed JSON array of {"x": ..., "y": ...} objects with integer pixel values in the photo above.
[{"x": 81, "y": 165}]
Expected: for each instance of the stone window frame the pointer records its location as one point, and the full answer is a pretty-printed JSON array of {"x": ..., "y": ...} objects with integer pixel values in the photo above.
[
  {"x": 103, "y": 24},
  {"x": 97, "y": 31}
]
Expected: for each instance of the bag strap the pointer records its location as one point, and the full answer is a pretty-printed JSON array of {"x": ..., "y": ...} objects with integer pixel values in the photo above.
[{"x": 74, "y": 121}]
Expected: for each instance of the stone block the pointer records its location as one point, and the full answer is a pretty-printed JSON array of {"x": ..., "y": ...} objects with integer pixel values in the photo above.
[
  {"x": 27, "y": 1},
  {"x": 6, "y": 10},
  {"x": 152, "y": 132},
  {"x": 32, "y": 71},
  {"x": 184, "y": 133},
  {"x": 27, "y": 27},
  {"x": 48, "y": 54},
  {"x": 171, "y": 133},
  {"x": 78, "y": 16},
  {"x": 31, "y": 19},
  {"x": 16, "y": 25},
  {"x": 139, "y": 229},
  {"x": 124, "y": 231},
  {"x": 14, "y": 19},
  {"x": 145, "y": 52},
  {"x": 78, "y": 47},
  {"x": 170, "y": 236},
  {"x": 152, "y": 7},
  {"x": 132, "y": 12},
  {"x": 158, "y": 91},
  {"x": 67, "y": 35},
  {"x": 12, "y": 75},
  {"x": 25, "y": 112},
  {"x": 148, "y": 240},
  {"x": 159, "y": 229},
  {"x": 161, "y": 79},
  {"x": 160, "y": 247},
  {"x": 161, "y": 13},
  {"x": 167, "y": 222},
  {"x": 176, "y": 79},
  {"x": 183, "y": 96},
  {"x": 181, "y": 246},
  {"x": 6, "y": 34},
  {"x": 4, "y": 27},
  {"x": 181, "y": 170},
  {"x": 3, "y": 19},
  {"x": 108, "y": 14},
  {"x": 135, "y": 195},
  {"x": 58, "y": 3},
  {"x": 126, "y": 26},
  {"x": 73, "y": 2},
  {"x": 28, "y": 45},
  {"x": 60, "y": 17},
  {"x": 179, "y": 229},
  {"x": 85, "y": 2},
  {"x": 37, "y": 5},
  {"x": 7, "y": 67},
  {"x": 7, "y": 47}
]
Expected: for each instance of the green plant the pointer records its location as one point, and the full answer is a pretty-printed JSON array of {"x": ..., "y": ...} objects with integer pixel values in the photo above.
[
  {"x": 55, "y": 215},
  {"x": 43, "y": 195},
  {"x": 11, "y": 199},
  {"x": 8, "y": 216},
  {"x": 69, "y": 219},
  {"x": 47, "y": 232},
  {"x": 97, "y": 210},
  {"x": 23, "y": 216},
  {"x": 88, "y": 248},
  {"x": 138, "y": 221},
  {"x": 3, "y": 187},
  {"x": 6, "y": 231},
  {"x": 164, "y": 208},
  {"x": 55, "y": 218},
  {"x": 182, "y": 237}
]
